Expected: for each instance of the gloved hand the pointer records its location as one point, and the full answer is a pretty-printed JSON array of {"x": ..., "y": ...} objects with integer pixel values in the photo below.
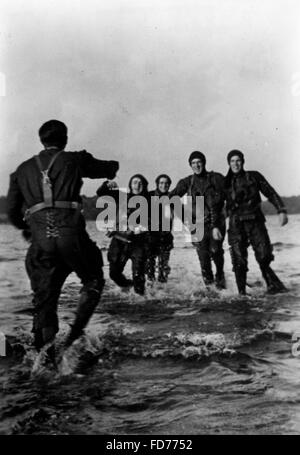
[
  {"x": 112, "y": 185},
  {"x": 283, "y": 218},
  {"x": 26, "y": 233},
  {"x": 106, "y": 186}
]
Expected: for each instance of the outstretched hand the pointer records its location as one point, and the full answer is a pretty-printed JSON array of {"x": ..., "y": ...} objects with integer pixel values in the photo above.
[
  {"x": 112, "y": 185},
  {"x": 283, "y": 219}
]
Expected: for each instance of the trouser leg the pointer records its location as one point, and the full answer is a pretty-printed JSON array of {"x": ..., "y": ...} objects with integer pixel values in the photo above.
[
  {"x": 263, "y": 250},
  {"x": 238, "y": 242},
  {"x": 118, "y": 256},
  {"x": 89, "y": 299},
  {"x": 85, "y": 258},
  {"x": 274, "y": 285},
  {"x": 163, "y": 265},
  {"x": 150, "y": 266},
  {"x": 47, "y": 275},
  {"x": 138, "y": 257},
  {"x": 218, "y": 258},
  {"x": 217, "y": 255},
  {"x": 152, "y": 251},
  {"x": 241, "y": 279},
  {"x": 203, "y": 252}
]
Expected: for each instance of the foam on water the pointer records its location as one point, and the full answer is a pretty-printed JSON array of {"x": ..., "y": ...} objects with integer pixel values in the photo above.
[{"x": 182, "y": 359}]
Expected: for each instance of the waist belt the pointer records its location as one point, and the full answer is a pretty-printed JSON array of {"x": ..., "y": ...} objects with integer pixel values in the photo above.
[
  {"x": 55, "y": 204},
  {"x": 247, "y": 217}
]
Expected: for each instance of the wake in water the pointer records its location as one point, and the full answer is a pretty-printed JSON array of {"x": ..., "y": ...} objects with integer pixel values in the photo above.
[
  {"x": 182, "y": 359},
  {"x": 144, "y": 358}
]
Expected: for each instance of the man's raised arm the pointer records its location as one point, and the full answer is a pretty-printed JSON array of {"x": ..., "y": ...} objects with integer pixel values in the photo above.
[
  {"x": 93, "y": 168},
  {"x": 180, "y": 189}
]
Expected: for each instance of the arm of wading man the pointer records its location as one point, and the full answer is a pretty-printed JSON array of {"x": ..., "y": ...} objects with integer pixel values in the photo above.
[
  {"x": 218, "y": 200},
  {"x": 96, "y": 169},
  {"x": 14, "y": 203},
  {"x": 221, "y": 193},
  {"x": 216, "y": 233},
  {"x": 181, "y": 188},
  {"x": 269, "y": 192},
  {"x": 213, "y": 202}
]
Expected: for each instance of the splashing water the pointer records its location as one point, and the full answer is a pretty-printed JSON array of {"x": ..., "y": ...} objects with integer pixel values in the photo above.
[{"x": 182, "y": 359}]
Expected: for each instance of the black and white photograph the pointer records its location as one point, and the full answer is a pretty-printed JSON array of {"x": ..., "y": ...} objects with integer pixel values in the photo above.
[{"x": 149, "y": 220}]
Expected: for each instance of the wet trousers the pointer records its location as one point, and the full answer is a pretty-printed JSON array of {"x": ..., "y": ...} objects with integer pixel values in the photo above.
[
  {"x": 159, "y": 249},
  {"x": 209, "y": 250},
  {"x": 119, "y": 253},
  {"x": 241, "y": 234},
  {"x": 48, "y": 263}
]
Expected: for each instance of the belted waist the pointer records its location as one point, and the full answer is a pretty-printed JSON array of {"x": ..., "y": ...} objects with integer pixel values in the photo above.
[
  {"x": 56, "y": 204},
  {"x": 236, "y": 217}
]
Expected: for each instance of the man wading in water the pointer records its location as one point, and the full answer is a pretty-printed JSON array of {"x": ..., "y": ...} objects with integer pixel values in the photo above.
[
  {"x": 48, "y": 185},
  {"x": 247, "y": 222},
  {"x": 210, "y": 186}
]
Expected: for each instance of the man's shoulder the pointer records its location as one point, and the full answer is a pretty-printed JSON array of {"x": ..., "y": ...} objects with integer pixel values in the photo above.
[
  {"x": 155, "y": 193},
  {"x": 25, "y": 165},
  {"x": 76, "y": 154},
  {"x": 217, "y": 177},
  {"x": 253, "y": 174},
  {"x": 186, "y": 180},
  {"x": 31, "y": 162}
]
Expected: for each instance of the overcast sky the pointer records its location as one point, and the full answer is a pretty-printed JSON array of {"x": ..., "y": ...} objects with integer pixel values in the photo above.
[{"x": 146, "y": 82}]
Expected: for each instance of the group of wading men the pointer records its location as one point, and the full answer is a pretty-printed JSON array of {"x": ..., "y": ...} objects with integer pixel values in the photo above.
[{"x": 44, "y": 202}]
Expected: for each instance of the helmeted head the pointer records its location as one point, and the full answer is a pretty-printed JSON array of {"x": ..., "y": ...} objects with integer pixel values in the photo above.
[
  {"x": 54, "y": 134},
  {"x": 163, "y": 183},
  {"x": 236, "y": 160},
  {"x": 197, "y": 161},
  {"x": 138, "y": 184}
]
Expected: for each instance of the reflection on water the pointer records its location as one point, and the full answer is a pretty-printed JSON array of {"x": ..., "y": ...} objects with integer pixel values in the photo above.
[{"x": 181, "y": 360}]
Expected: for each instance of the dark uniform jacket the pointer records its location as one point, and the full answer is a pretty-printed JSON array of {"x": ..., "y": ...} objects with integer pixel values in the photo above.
[
  {"x": 66, "y": 175},
  {"x": 243, "y": 195},
  {"x": 211, "y": 186}
]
